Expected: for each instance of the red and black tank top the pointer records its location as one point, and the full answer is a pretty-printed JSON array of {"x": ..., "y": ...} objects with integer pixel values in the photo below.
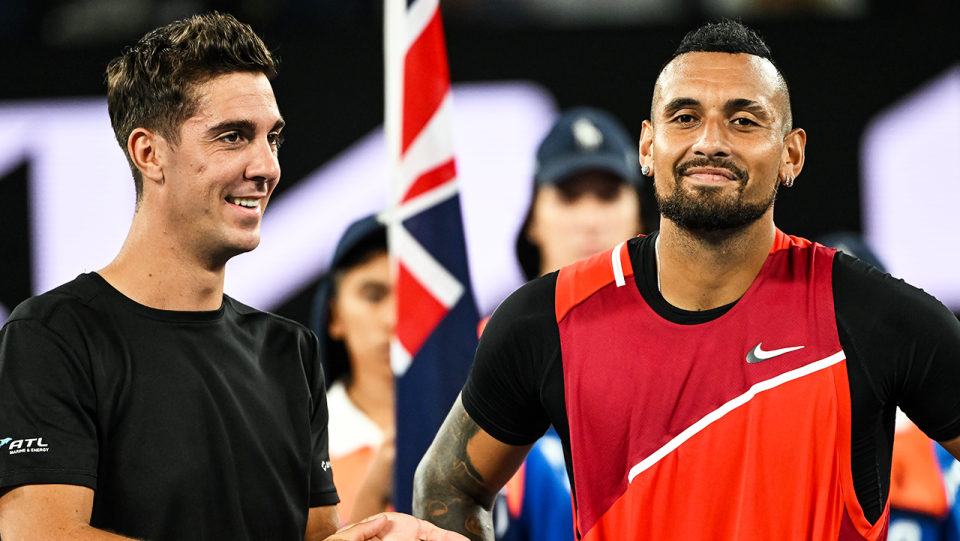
[{"x": 737, "y": 428}]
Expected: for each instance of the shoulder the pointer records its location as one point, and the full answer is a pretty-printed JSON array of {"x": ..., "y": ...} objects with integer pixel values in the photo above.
[
  {"x": 860, "y": 288},
  {"x": 259, "y": 322},
  {"x": 66, "y": 306},
  {"x": 532, "y": 304}
]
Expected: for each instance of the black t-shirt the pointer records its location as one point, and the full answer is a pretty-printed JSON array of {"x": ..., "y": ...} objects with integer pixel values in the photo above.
[
  {"x": 188, "y": 425},
  {"x": 902, "y": 348}
]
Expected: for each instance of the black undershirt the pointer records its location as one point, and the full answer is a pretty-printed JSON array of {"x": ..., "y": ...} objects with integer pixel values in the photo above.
[{"x": 902, "y": 348}]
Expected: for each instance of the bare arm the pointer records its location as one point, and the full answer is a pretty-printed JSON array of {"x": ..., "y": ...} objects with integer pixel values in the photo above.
[
  {"x": 322, "y": 522},
  {"x": 54, "y": 512},
  {"x": 375, "y": 493},
  {"x": 459, "y": 477}
]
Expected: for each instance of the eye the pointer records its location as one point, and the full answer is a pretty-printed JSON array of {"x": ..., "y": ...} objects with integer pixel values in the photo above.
[
  {"x": 375, "y": 292},
  {"x": 743, "y": 121},
  {"x": 685, "y": 119},
  {"x": 232, "y": 137},
  {"x": 275, "y": 139}
]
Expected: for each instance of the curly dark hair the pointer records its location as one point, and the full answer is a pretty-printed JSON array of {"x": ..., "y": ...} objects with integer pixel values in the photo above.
[{"x": 151, "y": 85}]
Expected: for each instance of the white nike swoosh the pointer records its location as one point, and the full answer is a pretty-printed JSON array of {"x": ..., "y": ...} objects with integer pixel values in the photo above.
[{"x": 758, "y": 354}]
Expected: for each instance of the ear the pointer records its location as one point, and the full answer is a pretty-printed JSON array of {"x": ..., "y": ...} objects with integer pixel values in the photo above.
[
  {"x": 147, "y": 150},
  {"x": 791, "y": 160},
  {"x": 646, "y": 146}
]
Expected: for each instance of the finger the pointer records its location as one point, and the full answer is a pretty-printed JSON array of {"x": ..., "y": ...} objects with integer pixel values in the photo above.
[{"x": 366, "y": 529}]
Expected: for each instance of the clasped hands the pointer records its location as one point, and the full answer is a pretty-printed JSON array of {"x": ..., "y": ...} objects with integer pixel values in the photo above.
[{"x": 394, "y": 527}]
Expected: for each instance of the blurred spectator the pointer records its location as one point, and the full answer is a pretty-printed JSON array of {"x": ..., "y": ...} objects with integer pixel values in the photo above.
[
  {"x": 587, "y": 196},
  {"x": 354, "y": 314}
]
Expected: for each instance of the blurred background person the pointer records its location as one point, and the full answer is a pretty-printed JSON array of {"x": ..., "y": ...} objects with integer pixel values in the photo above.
[
  {"x": 588, "y": 197},
  {"x": 588, "y": 193},
  {"x": 354, "y": 316}
]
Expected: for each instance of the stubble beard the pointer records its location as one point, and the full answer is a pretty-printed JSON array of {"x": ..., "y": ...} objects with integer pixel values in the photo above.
[{"x": 707, "y": 210}]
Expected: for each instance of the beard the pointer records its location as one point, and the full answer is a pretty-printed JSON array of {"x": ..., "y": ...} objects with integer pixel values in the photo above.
[{"x": 707, "y": 210}]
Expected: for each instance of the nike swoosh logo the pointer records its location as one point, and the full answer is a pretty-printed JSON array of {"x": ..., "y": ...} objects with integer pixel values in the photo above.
[{"x": 757, "y": 354}]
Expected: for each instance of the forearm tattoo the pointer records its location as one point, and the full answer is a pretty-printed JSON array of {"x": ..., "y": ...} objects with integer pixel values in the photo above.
[{"x": 449, "y": 491}]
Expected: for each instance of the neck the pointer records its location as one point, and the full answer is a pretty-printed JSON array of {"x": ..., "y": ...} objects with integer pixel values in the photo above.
[
  {"x": 372, "y": 392},
  {"x": 158, "y": 271},
  {"x": 701, "y": 271}
]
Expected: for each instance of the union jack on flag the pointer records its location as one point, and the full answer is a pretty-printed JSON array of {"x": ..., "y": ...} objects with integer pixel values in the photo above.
[{"x": 436, "y": 332}]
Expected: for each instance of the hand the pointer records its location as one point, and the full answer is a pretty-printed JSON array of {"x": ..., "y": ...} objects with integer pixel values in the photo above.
[
  {"x": 394, "y": 527},
  {"x": 361, "y": 531}
]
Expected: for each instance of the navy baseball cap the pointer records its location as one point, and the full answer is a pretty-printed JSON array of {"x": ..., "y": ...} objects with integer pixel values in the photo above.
[{"x": 586, "y": 139}]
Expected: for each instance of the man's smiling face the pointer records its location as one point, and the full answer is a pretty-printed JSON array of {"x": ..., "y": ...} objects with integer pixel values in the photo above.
[
  {"x": 218, "y": 179},
  {"x": 717, "y": 139}
]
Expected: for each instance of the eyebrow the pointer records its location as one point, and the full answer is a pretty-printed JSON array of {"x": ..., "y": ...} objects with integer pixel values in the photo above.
[
  {"x": 750, "y": 106},
  {"x": 736, "y": 104},
  {"x": 241, "y": 126},
  {"x": 680, "y": 103}
]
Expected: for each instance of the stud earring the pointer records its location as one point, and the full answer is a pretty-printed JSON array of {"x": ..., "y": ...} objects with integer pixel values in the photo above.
[
  {"x": 788, "y": 182},
  {"x": 645, "y": 170}
]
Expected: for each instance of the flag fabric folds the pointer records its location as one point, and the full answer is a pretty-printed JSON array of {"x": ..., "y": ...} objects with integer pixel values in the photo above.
[{"x": 436, "y": 333}]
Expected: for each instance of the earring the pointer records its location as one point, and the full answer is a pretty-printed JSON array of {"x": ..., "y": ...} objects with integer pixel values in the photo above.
[
  {"x": 645, "y": 170},
  {"x": 788, "y": 182}
]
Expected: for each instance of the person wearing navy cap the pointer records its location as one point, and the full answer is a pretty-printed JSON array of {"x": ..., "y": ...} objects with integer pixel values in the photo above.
[
  {"x": 354, "y": 315},
  {"x": 587, "y": 193}
]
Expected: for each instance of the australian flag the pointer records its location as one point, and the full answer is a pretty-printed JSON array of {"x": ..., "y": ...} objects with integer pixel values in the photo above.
[{"x": 436, "y": 334}]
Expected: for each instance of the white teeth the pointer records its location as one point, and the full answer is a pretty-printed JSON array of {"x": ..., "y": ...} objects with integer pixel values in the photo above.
[{"x": 248, "y": 203}]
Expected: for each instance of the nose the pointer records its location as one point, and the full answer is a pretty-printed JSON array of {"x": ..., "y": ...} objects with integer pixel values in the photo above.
[
  {"x": 712, "y": 140},
  {"x": 589, "y": 212},
  {"x": 264, "y": 166}
]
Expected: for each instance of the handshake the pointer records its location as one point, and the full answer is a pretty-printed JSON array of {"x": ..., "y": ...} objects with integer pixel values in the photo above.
[{"x": 394, "y": 527}]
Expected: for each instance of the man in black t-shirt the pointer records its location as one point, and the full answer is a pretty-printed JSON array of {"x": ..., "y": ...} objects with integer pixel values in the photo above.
[
  {"x": 716, "y": 380},
  {"x": 140, "y": 401}
]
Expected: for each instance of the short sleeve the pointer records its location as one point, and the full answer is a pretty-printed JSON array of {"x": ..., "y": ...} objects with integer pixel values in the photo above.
[
  {"x": 48, "y": 429},
  {"x": 907, "y": 342},
  {"x": 517, "y": 349},
  {"x": 322, "y": 490}
]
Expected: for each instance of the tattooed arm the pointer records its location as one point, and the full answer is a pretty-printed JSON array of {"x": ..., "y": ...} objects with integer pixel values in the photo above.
[{"x": 460, "y": 475}]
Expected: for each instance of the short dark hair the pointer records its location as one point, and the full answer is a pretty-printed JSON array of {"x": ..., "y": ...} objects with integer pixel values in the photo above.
[
  {"x": 151, "y": 84},
  {"x": 733, "y": 37},
  {"x": 726, "y": 36}
]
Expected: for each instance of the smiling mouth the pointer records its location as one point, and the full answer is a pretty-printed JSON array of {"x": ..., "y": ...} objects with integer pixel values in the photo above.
[{"x": 243, "y": 202}]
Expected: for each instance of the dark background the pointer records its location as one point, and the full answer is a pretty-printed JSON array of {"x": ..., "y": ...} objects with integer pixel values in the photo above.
[{"x": 841, "y": 73}]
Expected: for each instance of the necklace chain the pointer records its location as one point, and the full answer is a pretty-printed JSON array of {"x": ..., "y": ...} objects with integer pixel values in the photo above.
[{"x": 656, "y": 250}]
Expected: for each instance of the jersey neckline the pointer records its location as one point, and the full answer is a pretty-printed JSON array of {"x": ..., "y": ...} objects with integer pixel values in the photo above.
[
  {"x": 643, "y": 257},
  {"x": 177, "y": 316}
]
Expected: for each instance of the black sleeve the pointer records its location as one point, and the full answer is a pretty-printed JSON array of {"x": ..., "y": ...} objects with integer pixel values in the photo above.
[
  {"x": 518, "y": 347},
  {"x": 322, "y": 490},
  {"x": 48, "y": 409},
  {"x": 906, "y": 342}
]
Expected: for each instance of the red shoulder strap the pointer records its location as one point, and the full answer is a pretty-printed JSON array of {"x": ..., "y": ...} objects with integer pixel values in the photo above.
[
  {"x": 578, "y": 281},
  {"x": 783, "y": 241}
]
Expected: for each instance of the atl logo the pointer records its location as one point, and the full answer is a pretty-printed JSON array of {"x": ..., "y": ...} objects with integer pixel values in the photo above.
[{"x": 30, "y": 445}]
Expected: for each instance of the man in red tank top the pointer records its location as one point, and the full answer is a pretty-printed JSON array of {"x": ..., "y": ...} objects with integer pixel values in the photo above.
[{"x": 718, "y": 379}]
